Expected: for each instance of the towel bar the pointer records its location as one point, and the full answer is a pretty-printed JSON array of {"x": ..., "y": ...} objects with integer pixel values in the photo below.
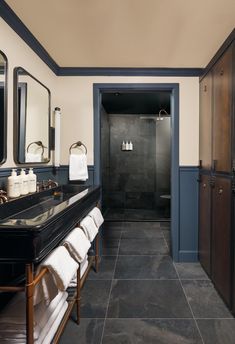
[{"x": 77, "y": 144}]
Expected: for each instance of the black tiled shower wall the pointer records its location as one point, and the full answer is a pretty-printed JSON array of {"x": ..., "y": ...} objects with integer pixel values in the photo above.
[{"x": 130, "y": 178}]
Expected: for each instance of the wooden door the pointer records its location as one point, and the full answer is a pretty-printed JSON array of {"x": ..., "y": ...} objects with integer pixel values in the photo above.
[
  {"x": 222, "y": 112},
  {"x": 221, "y": 237},
  {"x": 205, "y": 122},
  {"x": 205, "y": 223}
]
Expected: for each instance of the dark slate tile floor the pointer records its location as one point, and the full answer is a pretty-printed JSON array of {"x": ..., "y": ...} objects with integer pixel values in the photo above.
[
  {"x": 140, "y": 296},
  {"x": 116, "y": 214}
]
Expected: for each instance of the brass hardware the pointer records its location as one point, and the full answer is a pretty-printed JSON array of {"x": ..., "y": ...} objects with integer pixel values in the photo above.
[
  {"x": 221, "y": 72},
  {"x": 204, "y": 185},
  {"x": 205, "y": 88},
  {"x": 220, "y": 191},
  {"x": 3, "y": 196}
]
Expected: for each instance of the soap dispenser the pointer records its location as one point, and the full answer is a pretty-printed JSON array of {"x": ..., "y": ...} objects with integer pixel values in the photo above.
[
  {"x": 24, "y": 182},
  {"x": 13, "y": 185},
  {"x": 32, "y": 181}
]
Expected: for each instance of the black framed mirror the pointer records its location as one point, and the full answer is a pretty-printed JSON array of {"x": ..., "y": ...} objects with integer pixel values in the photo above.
[
  {"x": 32, "y": 112},
  {"x": 3, "y": 107}
]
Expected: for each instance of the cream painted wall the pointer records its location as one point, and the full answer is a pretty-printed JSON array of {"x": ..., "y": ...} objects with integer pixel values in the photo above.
[
  {"x": 75, "y": 97},
  {"x": 19, "y": 54}
]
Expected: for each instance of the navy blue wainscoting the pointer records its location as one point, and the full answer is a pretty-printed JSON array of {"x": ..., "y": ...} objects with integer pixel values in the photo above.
[
  {"x": 60, "y": 174},
  {"x": 188, "y": 226}
]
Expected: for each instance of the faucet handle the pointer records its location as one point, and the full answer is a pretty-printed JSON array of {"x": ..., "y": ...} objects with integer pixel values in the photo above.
[{"x": 3, "y": 192}]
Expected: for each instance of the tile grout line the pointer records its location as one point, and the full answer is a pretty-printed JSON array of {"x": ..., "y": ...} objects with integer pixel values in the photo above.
[
  {"x": 189, "y": 305},
  {"x": 111, "y": 286}
]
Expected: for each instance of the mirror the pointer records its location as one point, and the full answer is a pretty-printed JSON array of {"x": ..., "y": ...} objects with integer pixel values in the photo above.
[
  {"x": 3, "y": 107},
  {"x": 32, "y": 118}
]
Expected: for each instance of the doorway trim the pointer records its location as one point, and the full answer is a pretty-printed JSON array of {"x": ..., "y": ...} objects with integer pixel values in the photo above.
[{"x": 98, "y": 89}]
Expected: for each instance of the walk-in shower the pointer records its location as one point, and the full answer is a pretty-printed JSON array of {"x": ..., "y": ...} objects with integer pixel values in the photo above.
[{"x": 136, "y": 182}]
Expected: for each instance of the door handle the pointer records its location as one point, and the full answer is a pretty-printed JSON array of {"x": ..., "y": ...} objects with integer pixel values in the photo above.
[
  {"x": 220, "y": 191},
  {"x": 204, "y": 185}
]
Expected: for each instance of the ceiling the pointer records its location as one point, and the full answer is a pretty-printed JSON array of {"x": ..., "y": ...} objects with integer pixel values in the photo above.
[
  {"x": 128, "y": 33},
  {"x": 136, "y": 103}
]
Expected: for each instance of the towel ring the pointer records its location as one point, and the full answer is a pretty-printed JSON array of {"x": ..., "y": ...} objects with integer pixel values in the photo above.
[
  {"x": 77, "y": 144},
  {"x": 39, "y": 143}
]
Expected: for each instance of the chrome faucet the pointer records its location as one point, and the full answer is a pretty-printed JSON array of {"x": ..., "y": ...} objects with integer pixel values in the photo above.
[{"x": 3, "y": 196}]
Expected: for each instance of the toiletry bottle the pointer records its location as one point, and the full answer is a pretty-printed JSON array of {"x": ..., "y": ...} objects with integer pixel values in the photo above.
[
  {"x": 131, "y": 145},
  {"x": 13, "y": 185},
  {"x": 123, "y": 145},
  {"x": 128, "y": 144},
  {"x": 32, "y": 181},
  {"x": 24, "y": 182}
]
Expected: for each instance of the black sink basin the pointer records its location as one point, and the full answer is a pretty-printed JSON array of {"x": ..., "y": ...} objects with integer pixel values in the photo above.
[{"x": 30, "y": 226}]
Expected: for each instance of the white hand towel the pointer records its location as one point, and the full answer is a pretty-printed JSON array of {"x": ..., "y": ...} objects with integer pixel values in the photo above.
[
  {"x": 62, "y": 268},
  {"x": 89, "y": 228},
  {"x": 77, "y": 244},
  {"x": 51, "y": 329},
  {"x": 97, "y": 216},
  {"x": 83, "y": 268},
  {"x": 78, "y": 167},
  {"x": 33, "y": 157}
]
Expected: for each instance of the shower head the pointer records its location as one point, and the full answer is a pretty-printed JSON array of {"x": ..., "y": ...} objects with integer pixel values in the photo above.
[{"x": 158, "y": 117}]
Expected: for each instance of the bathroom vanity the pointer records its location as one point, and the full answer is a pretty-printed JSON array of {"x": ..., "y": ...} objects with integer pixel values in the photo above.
[{"x": 31, "y": 227}]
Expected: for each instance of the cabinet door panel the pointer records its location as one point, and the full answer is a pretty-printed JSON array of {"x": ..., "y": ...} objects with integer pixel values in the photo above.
[
  {"x": 222, "y": 112},
  {"x": 221, "y": 237},
  {"x": 205, "y": 223},
  {"x": 205, "y": 122}
]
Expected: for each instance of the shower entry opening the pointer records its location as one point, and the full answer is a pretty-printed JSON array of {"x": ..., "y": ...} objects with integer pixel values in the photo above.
[{"x": 136, "y": 155}]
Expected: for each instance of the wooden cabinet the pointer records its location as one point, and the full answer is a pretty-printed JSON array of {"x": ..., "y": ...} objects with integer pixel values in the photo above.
[
  {"x": 221, "y": 237},
  {"x": 205, "y": 223},
  {"x": 205, "y": 143},
  {"x": 222, "y": 113},
  {"x": 217, "y": 173}
]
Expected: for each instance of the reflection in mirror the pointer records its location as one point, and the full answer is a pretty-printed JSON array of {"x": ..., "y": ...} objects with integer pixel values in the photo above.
[
  {"x": 32, "y": 118},
  {"x": 3, "y": 107}
]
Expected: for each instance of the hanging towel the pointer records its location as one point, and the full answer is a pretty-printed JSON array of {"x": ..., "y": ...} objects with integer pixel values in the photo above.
[
  {"x": 78, "y": 167},
  {"x": 96, "y": 216},
  {"x": 33, "y": 157},
  {"x": 62, "y": 269},
  {"x": 83, "y": 267},
  {"x": 89, "y": 228},
  {"x": 77, "y": 244}
]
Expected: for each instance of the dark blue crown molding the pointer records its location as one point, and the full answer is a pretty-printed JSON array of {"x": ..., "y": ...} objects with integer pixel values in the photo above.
[
  {"x": 119, "y": 71},
  {"x": 19, "y": 27}
]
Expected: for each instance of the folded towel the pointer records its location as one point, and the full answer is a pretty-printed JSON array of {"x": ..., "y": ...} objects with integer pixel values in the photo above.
[
  {"x": 39, "y": 336},
  {"x": 83, "y": 268},
  {"x": 13, "y": 317},
  {"x": 89, "y": 228},
  {"x": 77, "y": 244},
  {"x": 78, "y": 167},
  {"x": 62, "y": 268},
  {"x": 96, "y": 216},
  {"x": 33, "y": 157}
]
